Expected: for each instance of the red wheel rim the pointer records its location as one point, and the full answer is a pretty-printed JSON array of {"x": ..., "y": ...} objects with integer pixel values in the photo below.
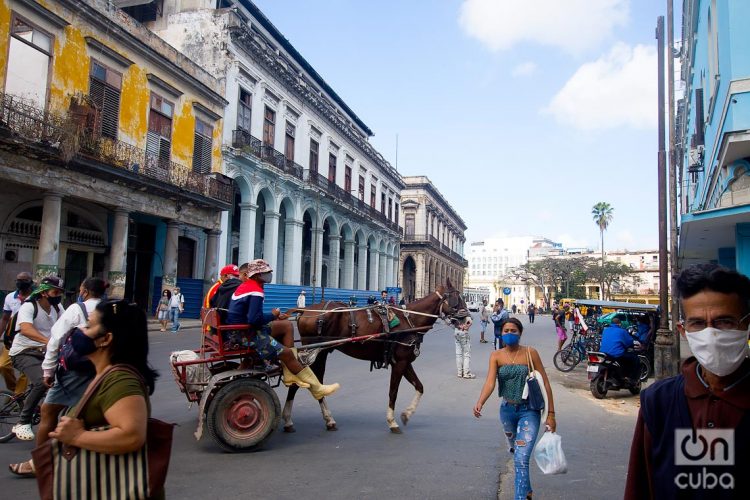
[{"x": 246, "y": 416}]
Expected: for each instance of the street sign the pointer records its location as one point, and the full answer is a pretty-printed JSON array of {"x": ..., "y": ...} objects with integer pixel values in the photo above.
[
  {"x": 506, "y": 291},
  {"x": 393, "y": 290}
]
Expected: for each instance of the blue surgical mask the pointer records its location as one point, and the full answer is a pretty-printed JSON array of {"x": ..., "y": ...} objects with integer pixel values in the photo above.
[
  {"x": 79, "y": 299},
  {"x": 511, "y": 338}
]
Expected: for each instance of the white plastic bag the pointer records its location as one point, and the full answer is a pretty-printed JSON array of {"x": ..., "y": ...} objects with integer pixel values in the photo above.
[{"x": 549, "y": 454}]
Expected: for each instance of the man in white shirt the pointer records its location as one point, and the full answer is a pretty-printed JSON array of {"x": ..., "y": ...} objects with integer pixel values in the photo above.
[
  {"x": 35, "y": 320},
  {"x": 301, "y": 301},
  {"x": 176, "y": 306},
  {"x": 70, "y": 382},
  {"x": 13, "y": 301}
]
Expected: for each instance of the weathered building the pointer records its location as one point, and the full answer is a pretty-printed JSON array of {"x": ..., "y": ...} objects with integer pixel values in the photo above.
[
  {"x": 433, "y": 246},
  {"x": 110, "y": 151},
  {"x": 313, "y": 197}
]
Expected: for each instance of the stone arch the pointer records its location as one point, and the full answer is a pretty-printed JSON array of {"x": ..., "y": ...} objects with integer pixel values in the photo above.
[{"x": 409, "y": 277}]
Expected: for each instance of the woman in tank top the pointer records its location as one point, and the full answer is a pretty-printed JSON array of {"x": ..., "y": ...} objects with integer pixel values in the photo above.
[{"x": 509, "y": 369}]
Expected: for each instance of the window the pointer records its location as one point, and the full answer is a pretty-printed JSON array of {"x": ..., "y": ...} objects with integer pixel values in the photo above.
[
  {"x": 332, "y": 168},
  {"x": 159, "y": 137},
  {"x": 202, "y": 147},
  {"x": 314, "y": 146},
  {"x": 104, "y": 90},
  {"x": 382, "y": 203},
  {"x": 373, "y": 189},
  {"x": 396, "y": 214},
  {"x": 244, "y": 110},
  {"x": 289, "y": 141},
  {"x": 348, "y": 179},
  {"x": 362, "y": 188},
  {"x": 409, "y": 223},
  {"x": 390, "y": 208},
  {"x": 269, "y": 126},
  {"x": 29, "y": 56}
]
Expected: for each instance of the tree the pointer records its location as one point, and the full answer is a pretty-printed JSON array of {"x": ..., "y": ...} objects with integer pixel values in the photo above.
[
  {"x": 602, "y": 213},
  {"x": 612, "y": 274}
]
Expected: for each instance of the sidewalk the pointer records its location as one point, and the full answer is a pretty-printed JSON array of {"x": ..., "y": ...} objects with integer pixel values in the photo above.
[{"x": 155, "y": 326}]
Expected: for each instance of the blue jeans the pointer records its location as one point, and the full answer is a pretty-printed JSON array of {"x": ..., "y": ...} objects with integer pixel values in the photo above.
[
  {"x": 521, "y": 426},
  {"x": 174, "y": 317}
]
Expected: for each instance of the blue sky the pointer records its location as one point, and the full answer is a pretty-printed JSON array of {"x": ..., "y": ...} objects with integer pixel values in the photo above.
[{"x": 524, "y": 113}]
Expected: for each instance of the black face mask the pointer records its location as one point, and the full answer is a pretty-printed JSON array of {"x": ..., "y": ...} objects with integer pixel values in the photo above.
[
  {"x": 55, "y": 300},
  {"x": 23, "y": 285},
  {"x": 83, "y": 345}
]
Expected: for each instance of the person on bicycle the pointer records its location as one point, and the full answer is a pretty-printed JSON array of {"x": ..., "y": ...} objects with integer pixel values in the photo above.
[
  {"x": 246, "y": 307},
  {"x": 35, "y": 319},
  {"x": 617, "y": 344}
]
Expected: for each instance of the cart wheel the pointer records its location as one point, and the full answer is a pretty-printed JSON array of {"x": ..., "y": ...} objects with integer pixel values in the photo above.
[{"x": 243, "y": 414}]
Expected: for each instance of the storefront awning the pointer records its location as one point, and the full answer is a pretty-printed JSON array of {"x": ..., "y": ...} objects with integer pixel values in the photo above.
[{"x": 702, "y": 234}]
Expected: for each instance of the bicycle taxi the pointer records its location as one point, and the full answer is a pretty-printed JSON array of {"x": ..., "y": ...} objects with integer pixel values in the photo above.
[{"x": 232, "y": 385}]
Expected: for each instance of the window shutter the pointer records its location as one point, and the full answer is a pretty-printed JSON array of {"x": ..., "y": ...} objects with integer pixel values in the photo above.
[
  {"x": 202, "y": 154},
  {"x": 107, "y": 100}
]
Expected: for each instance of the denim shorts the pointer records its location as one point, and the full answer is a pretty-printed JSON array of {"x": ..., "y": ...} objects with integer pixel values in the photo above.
[
  {"x": 69, "y": 387},
  {"x": 264, "y": 344}
]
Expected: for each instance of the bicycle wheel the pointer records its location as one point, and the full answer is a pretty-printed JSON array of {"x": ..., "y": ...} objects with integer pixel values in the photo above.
[
  {"x": 10, "y": 412},
  {"x": 566, "y": 359}
]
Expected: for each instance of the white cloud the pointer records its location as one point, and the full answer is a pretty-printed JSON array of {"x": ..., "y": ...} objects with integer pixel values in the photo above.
[
  {"x": 618, "y": 89},
  {"x": 524, "y": 69},
  {"x": 572, "y": 25}
]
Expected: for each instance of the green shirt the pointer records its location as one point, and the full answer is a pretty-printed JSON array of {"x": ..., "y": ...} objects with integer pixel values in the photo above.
[
  {"x": 511, "y": 380},
  {"x": 115, "y": 386}
]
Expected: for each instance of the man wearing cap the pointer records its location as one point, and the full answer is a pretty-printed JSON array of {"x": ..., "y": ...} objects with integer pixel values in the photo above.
[
  {"x": 35, "y": 319},
  {"x": 246, "y": 307},
  {"x": 301, "y": 302},
  {"x": 13, "y": 301},
  {"x": 227, "y": 272}
]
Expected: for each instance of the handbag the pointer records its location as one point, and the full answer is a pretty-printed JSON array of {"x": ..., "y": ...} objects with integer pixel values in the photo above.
[
  {"x": 65, "y": 472},
  {"x": 535, "y": 398}
]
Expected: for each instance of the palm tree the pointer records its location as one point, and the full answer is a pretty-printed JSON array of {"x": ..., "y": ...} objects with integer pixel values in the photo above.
[{"x": 602, "y": 213}]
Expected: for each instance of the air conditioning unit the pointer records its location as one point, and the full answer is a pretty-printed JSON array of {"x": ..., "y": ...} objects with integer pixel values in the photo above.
[{"x": 695, "y": 160}]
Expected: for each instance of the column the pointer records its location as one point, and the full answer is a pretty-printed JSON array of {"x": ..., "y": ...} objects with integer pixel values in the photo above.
[
  {"x": 292, "y": 248},
  {"x": 348, "y": 276},
  {"x": 169, "y": 270},
  {"x": 211, "y": 265},
  {"x": 374, "y": 269},
  {"x": 49, "y": 238},
  {"x": 389, "y": 271},
  {"x": 362, "y": 267},
  {"x": 334, "y": 242},
  {"x": 247, "y": 232},
  {"x": 271, "y": 240},
  {"x": 381, "y": 270},
  {"x": 118, "y": 254},
  {"x": 317, "y": 248}
]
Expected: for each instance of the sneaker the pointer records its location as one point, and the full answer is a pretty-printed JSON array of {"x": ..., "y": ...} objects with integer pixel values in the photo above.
[
  {"x": 179, "y": 325},
  {"x": 470, "y": 375},
  {"x": 460, "y": 375},
  {"x": 23, "y": 432}
]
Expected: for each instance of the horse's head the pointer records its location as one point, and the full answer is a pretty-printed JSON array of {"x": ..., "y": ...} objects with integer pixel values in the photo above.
[{"x": 452, "y": 306}]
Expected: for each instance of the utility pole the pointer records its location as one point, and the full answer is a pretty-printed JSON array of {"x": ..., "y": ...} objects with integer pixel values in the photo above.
[
  {"x": 673, "y": 156},
  {"x": 664, "y": 336}
]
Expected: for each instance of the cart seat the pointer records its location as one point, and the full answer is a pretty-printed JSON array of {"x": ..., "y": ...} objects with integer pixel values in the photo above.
[{"x": 216, "y": 334}]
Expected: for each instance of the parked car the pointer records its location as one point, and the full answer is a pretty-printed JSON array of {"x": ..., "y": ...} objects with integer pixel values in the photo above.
[{"x": 473, "y": 306}]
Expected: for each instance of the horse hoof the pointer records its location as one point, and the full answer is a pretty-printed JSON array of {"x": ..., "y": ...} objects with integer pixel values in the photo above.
[
  {"x": 290, "y": 429},
  {"x": 404, "y": 418},
  {"x": 331, "y": 427},
  {"x": 395, "y": 430}
]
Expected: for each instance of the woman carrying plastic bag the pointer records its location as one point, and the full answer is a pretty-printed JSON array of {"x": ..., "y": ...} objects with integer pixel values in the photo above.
[{"x": 520, "y": 417}]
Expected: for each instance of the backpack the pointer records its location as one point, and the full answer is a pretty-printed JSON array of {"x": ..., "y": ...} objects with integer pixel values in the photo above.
[
  {"x": 68, "y": 358},
  {"x": 12, "y": 329}
]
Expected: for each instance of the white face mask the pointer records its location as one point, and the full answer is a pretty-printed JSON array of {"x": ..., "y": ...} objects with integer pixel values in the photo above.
[{"x": 719, "y": 351}]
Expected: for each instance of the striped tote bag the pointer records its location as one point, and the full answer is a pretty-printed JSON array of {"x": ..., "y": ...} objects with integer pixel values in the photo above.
[{"x": 68, "y": 473}]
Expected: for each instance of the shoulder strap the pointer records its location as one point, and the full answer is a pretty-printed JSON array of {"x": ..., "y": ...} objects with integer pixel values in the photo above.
[
  {"x": 94, "y": 386},
  {"x": 529, "y": 360},
  {"x": 83, "y": 310},
  {"x": 36, "y": 309}
]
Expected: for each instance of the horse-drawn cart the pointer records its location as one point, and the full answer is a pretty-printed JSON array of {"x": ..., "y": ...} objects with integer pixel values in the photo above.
[{"x": 233, "y": 386}]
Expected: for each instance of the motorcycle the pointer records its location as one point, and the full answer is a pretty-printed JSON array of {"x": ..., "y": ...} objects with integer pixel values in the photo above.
[{"x": 605, "y": 374}]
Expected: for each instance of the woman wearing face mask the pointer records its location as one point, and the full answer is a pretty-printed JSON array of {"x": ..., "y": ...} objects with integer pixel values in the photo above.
[
  {"x": 162, "y": 310},
  {"x": 509, "y": 366},
  {"x": 246, "y": 307},
  {"x": 117, "y": 334}
]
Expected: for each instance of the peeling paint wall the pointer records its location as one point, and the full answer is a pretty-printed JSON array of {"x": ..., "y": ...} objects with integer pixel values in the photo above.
[
  {"x": 216, "y": 147},
  {"x": 183, "y": 132},
  {"x": 134, "y": 105},
  {"x": 70, "y": 69},
  {"x": 4, "y": 34}
]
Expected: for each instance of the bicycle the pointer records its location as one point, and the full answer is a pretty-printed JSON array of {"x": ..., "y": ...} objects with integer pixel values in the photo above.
[
  {"x": 569, "y": 356},
  {"x": 11, "y": 405}
]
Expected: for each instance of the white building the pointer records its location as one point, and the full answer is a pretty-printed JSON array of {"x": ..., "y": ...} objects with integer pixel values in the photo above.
[{"x": 313, "y": 197}]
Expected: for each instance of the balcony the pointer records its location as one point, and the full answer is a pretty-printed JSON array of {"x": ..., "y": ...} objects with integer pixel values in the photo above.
[
  {"x": 243, "y": 140},
  {"x": 435, "y": 244},
  {"x": 65, "y": 138}
]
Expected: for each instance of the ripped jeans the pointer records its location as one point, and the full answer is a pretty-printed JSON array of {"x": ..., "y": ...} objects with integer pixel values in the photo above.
[{"x": 520, "y": 426}]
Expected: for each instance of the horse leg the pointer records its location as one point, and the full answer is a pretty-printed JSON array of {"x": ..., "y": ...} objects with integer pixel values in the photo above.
[
  {"x": 286, "y": 414},
  {"x": 319, "y": 368},
  {"x": 411, "y": 376},
  {"x": 397, "y": 371}
]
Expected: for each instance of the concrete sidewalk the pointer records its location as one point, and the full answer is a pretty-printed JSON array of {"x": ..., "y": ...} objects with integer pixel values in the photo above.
[{"x": 154, "y": 325}]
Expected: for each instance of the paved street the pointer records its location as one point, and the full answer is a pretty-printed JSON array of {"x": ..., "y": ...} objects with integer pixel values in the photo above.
[{"x": 444, "y": 452}]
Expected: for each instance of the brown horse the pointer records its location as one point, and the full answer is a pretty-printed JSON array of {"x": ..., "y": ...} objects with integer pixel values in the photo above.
[{"x": 321, "y": 322}]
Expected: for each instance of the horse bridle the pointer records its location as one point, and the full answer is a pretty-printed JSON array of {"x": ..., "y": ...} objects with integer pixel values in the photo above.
[{"x": 443, "y": 302}]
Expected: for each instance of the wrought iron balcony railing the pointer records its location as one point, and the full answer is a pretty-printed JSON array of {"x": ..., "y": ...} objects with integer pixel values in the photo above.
[
  {"x": 23, "y": 121},
  {"x": 434, "y": 243},
  {"x": 242, "y": 139}
]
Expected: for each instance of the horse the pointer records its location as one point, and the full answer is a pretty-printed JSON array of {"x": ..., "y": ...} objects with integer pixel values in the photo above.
[{"x": 399, "y": 351}]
